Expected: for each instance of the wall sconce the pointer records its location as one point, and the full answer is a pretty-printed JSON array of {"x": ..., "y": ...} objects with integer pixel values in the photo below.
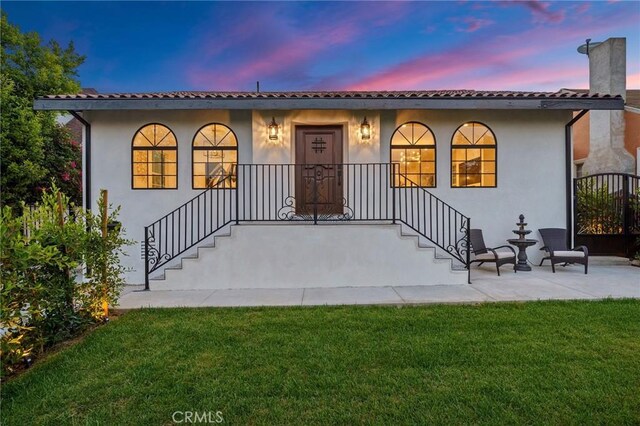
[
  {"x": 365, "y": 130},
  {"x": 274, "y": 130}
]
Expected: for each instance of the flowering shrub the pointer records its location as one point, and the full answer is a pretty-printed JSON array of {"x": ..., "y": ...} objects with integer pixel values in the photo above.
[{"x": 44, "y": 295}]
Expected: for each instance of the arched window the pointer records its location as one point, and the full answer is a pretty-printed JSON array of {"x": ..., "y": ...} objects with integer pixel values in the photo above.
[
  {"x": 473, "y": 156},
  {"x": 215, "y": 157},
  {"x": 413, "y": 146},
  {"x": 154, "y": 158}
]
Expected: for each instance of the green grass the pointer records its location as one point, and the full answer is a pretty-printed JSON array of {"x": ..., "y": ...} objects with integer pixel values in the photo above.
[{"x": 542, "y": 362}]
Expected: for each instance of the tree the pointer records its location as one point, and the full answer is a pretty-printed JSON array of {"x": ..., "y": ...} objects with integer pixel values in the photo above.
[{"x": 35, "y": 150}]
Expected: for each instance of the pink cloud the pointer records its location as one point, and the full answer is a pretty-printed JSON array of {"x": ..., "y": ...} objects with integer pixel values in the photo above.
[
  {"x": 502, "y": 62},
  {"x": 542, "y": 13},
  {"x": 540, "y": 10},
  {"x": 633, "y": 81},
  {"x": 582, "y": 8},
  {"x": 429, "y": 29},
  {"x": 569, "y": 75},
  {"x": 285, "y": 56},
  {"x": 474, "y": 24},
  {"x": 242, "y": 29},
  {"x": 283, "y": 48},
  {"x": 429, "y": 71}
]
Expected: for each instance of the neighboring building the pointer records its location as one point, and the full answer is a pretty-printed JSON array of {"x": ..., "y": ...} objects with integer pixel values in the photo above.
[
  {"x": 608, "y": 141},
  {"x": 606, "y": 158},
  {"x": 631, "y": 116},
  {"x": 355, "y": 163},
  {"x": 73, "y": 124}
]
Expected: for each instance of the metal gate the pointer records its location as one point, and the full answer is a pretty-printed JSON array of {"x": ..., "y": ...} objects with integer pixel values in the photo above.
[{"x": 606, "y": 213}]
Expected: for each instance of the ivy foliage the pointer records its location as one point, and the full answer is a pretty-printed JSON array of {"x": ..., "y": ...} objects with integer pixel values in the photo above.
[
  {"x": 35, "y": 149},
  {"x": 58, "y": 271}
]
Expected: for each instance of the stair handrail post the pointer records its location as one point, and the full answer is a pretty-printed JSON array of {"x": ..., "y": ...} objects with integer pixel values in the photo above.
[
  {"x": 468, "y": 242},
  {"x": 393, "y": 192},
  {"x": 146, "y": 258},
  {"x": 235, "y": 168},
  {"x": 315, "y": 195}
]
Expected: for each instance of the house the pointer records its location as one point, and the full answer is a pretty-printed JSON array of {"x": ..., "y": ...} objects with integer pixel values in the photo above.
[{"x": 316, "y": 189}]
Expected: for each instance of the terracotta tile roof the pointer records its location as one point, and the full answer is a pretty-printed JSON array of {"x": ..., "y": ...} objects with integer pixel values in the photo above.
[
  {"x": 633, "y": 96},
  {"x": 382, "y": 100},
  {"x": 445, "y": 94}
]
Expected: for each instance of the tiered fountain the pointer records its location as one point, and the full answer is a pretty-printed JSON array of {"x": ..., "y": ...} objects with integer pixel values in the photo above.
[{"x": 522, "y": 243}]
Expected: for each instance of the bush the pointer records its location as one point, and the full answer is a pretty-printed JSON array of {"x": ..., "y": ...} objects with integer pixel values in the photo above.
[
  {"x": 599, "y": 211},
  {"x": 45, "y": 297}
]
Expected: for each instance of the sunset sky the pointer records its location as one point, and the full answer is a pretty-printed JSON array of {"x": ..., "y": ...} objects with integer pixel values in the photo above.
[{"x": 227, "y": 46}]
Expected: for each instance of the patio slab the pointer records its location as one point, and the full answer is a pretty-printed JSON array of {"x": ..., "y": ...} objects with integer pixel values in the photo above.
[
  {"x": 603, "y": 281},
  {"x": 163, "y": 299},
  {"x": 351, "y": 296},
  {"x": 441, "y": 294},
  {"x": 255, "y": 297},
  {"x": 529, "y": 289},
  {"x": 616, "y": 281}
]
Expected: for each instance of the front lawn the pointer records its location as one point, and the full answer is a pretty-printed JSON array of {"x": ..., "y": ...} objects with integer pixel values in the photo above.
[{"x": 542, "y": 362}]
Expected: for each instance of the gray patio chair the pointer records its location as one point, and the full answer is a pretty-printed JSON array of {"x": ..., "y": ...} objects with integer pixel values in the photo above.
[
  {"x": 483, "y": 254},
  {"x": 555, "y": 243}
]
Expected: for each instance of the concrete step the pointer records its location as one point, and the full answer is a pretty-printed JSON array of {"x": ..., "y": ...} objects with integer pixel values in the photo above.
[{"x": 294, "y": 256}]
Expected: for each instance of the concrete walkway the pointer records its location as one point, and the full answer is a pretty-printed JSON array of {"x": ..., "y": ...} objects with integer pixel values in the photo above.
[{"x": 568, "y": 283}]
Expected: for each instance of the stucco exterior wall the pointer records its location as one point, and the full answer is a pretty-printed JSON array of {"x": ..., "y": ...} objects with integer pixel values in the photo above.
[
  {"x": 632, "y": 133},
  {"x": 530, "y": 170},
  {"x": 530, "y": 162},
  {"x": 112, "y": 134},
  {"x": 581, "y": 133},
  {"x": 283, "y": 151}
]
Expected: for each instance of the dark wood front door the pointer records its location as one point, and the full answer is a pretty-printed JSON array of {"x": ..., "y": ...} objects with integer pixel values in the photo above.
[{"x": 319, "y": 170}]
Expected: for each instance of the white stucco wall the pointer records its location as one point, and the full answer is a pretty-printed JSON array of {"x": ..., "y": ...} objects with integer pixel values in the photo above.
[
  {"x": 282, "y": 151},
  {"x": 530, "y": 170},
  {"x": 112, "y": 133},
  {"x": 530, "y": 162},
  {"x": 360, "y": 256}
]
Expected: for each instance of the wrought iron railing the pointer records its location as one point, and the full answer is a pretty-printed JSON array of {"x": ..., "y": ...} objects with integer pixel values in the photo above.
[
  {"x": 186, "y": 226},
  {"x": 316, "y": 193},
  {"x": 434, "y": 219}
]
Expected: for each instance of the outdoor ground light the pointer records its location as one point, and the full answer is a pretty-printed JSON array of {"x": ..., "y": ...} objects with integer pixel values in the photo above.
[
  {"x": 274, "y": 129},
  {"x": 365, "y": 130}
]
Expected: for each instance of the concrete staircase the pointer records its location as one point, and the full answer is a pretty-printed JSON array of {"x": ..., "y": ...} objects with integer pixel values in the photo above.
[{"x": 310, "y": 256}]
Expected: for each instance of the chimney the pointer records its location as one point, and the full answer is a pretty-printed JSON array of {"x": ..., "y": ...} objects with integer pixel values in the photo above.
[{"x": 608, "y": 75}]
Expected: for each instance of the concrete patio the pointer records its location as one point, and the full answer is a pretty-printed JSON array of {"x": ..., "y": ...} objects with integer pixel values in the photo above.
[{"x": 568, "y": 283}]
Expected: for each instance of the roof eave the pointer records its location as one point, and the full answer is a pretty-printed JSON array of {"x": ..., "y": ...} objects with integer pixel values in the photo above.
[{"x": 46, "y": 104}]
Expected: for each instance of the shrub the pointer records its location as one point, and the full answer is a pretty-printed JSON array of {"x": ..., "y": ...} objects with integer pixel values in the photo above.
[
  {"x": 599, "y": 211},
  {"x": 102, "y": 253},
  {"x": 44, "y": 295}
]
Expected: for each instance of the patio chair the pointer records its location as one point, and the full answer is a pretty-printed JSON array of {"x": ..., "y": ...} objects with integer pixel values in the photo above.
[
  {"x": 483, "y": 254},
  {"x": 555, "y": 243}
]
